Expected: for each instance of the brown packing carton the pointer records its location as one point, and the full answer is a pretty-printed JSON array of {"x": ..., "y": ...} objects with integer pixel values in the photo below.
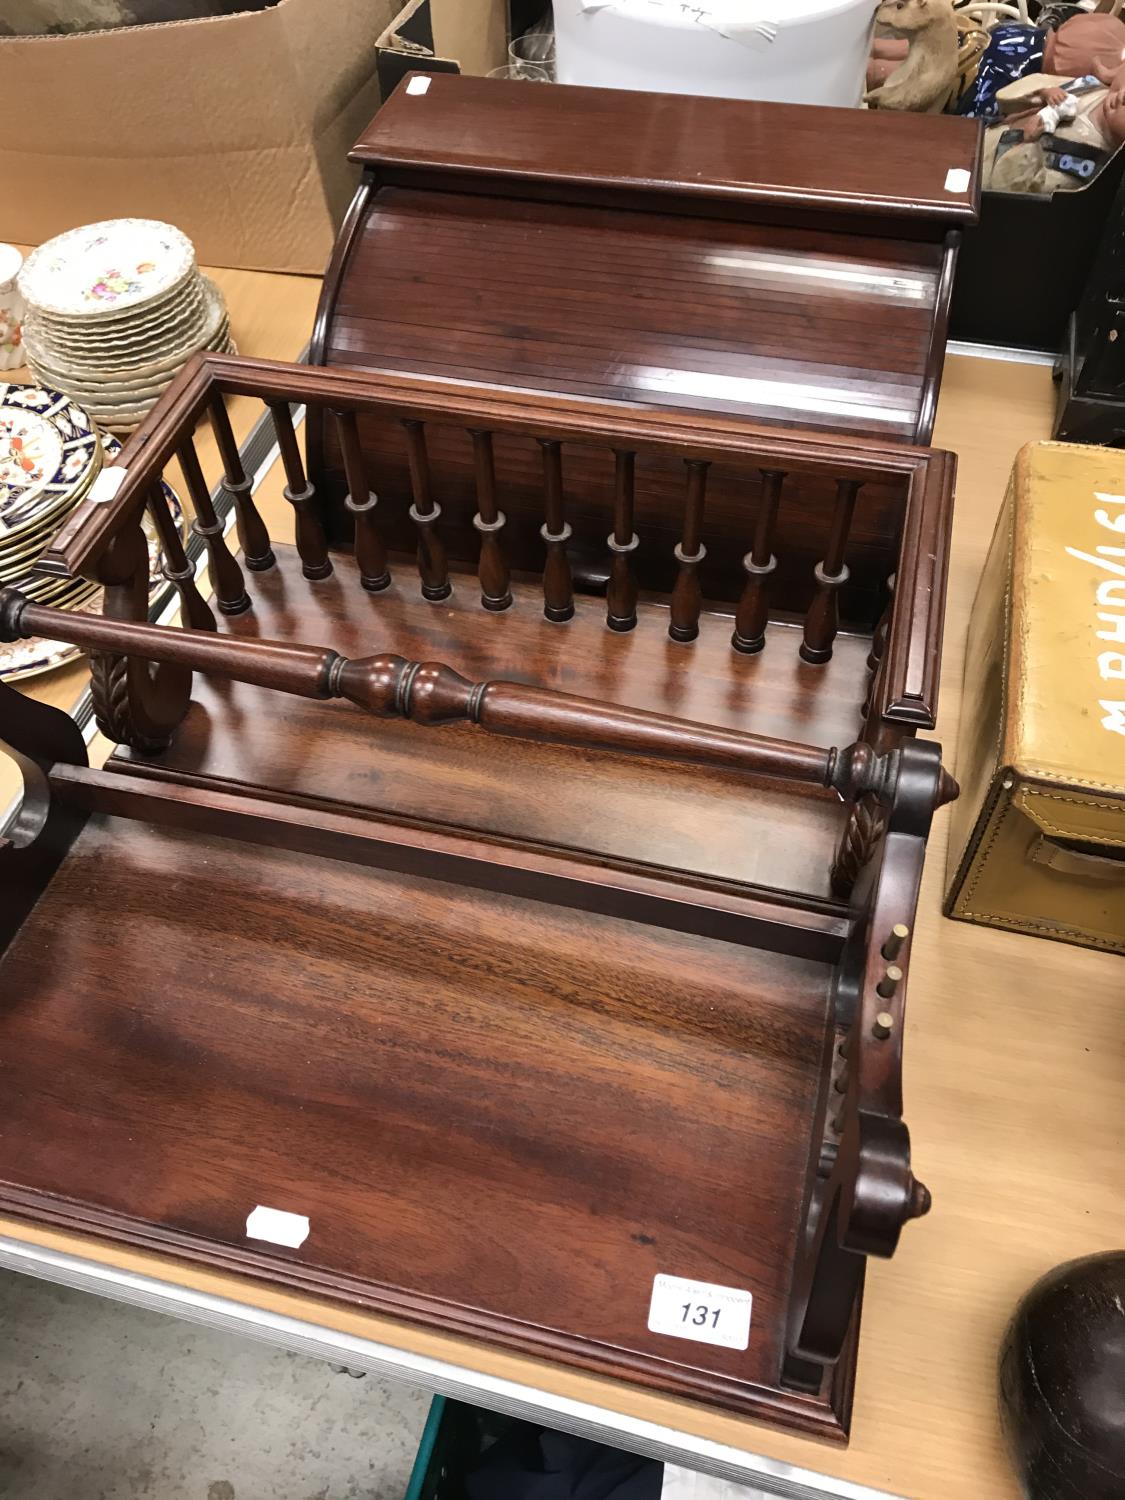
[
  {"x": 1037, "y": 839},
  {"x": 234, "y": 128},
  {"x": 444, "y": 36}
]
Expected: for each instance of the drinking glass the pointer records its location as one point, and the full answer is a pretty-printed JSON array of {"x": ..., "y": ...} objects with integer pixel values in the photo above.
[{"x": 521, "y": 73}]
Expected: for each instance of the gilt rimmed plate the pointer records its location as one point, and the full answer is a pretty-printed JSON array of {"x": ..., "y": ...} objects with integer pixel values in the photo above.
[
  {"x": 106, "y": 268},
  {"x": 164, "y": 323},
  {"x": 48, "y": 448}
]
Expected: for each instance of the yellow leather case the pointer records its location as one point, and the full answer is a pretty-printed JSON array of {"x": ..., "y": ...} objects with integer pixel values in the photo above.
[{"x": 1037, "y": 842}]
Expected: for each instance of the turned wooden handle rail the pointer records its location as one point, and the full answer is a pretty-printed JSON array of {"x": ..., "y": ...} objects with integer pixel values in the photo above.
[{"x": 432, "y": 693}]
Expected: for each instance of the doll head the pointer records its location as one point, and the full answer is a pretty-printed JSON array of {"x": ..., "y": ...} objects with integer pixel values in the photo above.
[{"x": 1085, "y": 44}]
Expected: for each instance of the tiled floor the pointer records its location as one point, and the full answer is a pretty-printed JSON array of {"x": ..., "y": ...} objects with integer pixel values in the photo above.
[{"x": 104, "y": 1402}]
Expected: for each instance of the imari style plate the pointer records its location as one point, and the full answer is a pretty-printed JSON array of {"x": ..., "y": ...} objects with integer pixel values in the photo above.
[
  {"x": 30, "y": 658},
  {"x": 49, "y": 450},
  {"x": 106, "y": 268}
]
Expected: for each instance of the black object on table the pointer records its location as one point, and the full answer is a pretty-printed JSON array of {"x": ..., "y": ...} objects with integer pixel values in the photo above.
[{"x": 1062, "y": 1382}]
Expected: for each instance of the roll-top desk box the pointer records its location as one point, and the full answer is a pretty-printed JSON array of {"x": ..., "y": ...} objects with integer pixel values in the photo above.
[
  {"x": 1037, "y": 843},
  {"x": 781, "y": 262}
]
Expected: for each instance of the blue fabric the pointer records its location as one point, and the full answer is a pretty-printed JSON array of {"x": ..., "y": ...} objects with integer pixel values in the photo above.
[{"x": 1014, "y": 50}]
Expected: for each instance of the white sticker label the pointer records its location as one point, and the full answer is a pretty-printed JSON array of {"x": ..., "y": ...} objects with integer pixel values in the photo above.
[
  {"x": 275, "y": 1225},
  {"x": 418, "y": 85},
  {"x": 106, "y": 485},
  {"x": 701, "y": 1311},
  {"x": 957, "y": 180}
]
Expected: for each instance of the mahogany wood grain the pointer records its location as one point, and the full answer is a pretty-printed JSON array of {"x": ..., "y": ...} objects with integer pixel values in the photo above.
[
  {"x": 558, "y": 588},
  {"x": 623, "y": 541},
  {"x": 725, "y": 155},
  {"x": 177, "y": 569},
  {"x": 583, "y": 1106},
  {"x": 300, "y": 493},
  {"x": 687, "y": 599},
  {"x": 253, "y": 537},
  {"x": 370, "y": 546},
  {"x": 822, "y": 619},
  {"x": 389, "y": 686},
  {"x": 425, "y": 512},
  {"x": 704, "y": 908},
  {"x": 489, "y": 521},
  {"x": 226, "y": 575},
  {"x": 717, "y": 825},
  {"x": 759, "y": 564}
]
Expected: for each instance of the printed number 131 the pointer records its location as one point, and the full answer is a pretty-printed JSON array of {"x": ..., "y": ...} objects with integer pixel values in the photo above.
[{"x": 699, "y": 1314}]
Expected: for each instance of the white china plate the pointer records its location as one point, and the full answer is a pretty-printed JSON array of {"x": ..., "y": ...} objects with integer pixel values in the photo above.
[{"x": 105, "y": 268}]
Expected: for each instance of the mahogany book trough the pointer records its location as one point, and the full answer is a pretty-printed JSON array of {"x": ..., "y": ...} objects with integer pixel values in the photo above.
[{"x": 519, "y": 893}]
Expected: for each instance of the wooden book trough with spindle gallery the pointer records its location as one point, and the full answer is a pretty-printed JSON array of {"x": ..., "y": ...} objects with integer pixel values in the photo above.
[{"x": 569, "y": 951}]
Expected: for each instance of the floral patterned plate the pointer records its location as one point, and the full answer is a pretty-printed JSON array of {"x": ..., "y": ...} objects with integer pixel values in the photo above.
[
  {"x": 106, "y": 268},
  {"x": 30, "y": 658},
  {"x": 48, "y": 451}
]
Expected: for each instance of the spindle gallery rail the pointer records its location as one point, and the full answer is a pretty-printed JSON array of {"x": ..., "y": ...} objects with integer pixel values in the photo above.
[
  {"x": 622, "y": 590},
  {"x": 484, "y": 486}
]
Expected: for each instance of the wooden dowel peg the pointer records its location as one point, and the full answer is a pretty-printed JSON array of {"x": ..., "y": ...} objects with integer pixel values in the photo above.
[
  {"x": 879, "y": 635},
  {"x": 753, "y": 608},
  {"x": 889, "y": 982},
  {"x": 822, "y": 619},
  {"x": 253, "y": 537},
  {"x": 621, "y": 595},
  {"x": 226, "y": 575},
  {"x": 370, "y": 549},
  {"x": 311, "y": 546},
  {"x": 495, "y": 586},
  {"x": 895, "y": 940},
  {"x": 194, "y": 610},
  {"x": 425, "y": 512},
  {"x": 558, "y": 587},
  {"x": 884, "y": 1025},
  {"x": 687, "y": 596}
]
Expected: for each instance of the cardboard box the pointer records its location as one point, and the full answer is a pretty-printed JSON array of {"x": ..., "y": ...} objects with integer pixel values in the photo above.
[
  {"x": 444, "y": 36},
  {"x": 234, "y": 128}
]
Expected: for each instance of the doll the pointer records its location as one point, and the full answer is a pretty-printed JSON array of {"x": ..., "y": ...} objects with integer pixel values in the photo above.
[{"x": 1057, "y": 132}]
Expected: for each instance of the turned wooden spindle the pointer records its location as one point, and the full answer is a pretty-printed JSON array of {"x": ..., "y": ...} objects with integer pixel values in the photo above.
[
  {"x": 558, "y": 590},
  {"x": 175, "y": 565},
  {"x": 822, "y": 620},
  {"x": 879, "y": 636},
  {"x": 311, "y": 547},
  {"x": 623, "y": 541},
  {"x": 687, "y": 599},
  {"x": 389, "y": 686},
  {"x": 425, "y": 512},
  {"x": 370, "y": 549},
  {"x": 253, "y": 537},
  {"x": 495, "y": 590},
  {"x": 226, "y": 575},
  {"x": 753, "y": 608}
]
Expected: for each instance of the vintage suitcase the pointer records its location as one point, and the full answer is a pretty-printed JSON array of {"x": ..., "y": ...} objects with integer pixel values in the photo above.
[{"x": 1037, "y": 843}]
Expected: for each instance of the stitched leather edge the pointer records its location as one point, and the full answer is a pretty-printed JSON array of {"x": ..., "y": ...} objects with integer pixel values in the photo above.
[
  {"x": 962, "y": 907},
  {"x": 1034, "y": 794}
]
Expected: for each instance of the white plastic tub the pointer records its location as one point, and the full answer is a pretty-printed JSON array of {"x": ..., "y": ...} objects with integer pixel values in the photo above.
[{"x": 788, "y": 51}]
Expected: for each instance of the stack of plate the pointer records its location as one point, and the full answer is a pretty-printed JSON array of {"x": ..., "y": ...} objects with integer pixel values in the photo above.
[
  {"x": 50, "y": 454},
  {"x": 113, "y": 312}
]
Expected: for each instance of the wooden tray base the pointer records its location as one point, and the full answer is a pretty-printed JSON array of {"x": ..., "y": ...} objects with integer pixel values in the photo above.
[{"x": 506, "y": 1139}]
